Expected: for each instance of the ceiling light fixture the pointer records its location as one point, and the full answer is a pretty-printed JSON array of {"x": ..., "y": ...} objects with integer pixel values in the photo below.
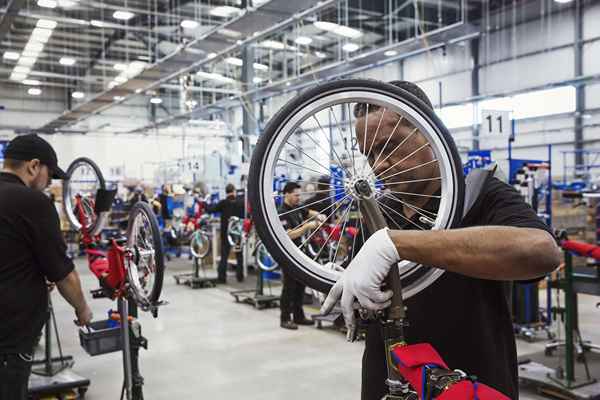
[
  {"x": 45, "y": 23},
  {"x": 20, "y": 69},
  {"x": 34, "y": 91},
  {"x": 303, "y": 40},
  {"x": 31, "y": 82},
  {"x": 47, "y": 3},
  {"x": 189, "y": 24},
  {"x": 320, "y": 54},
  {"x": 97, "y": 24},
  {"x": 78, "y": 95},
  {"x": 256, "y": 79},
  {"x": 260, "y": 67},
  {"x": 120, "y": 67},
  {"x": 68, "y": 61},
  {"x": 340, "y": 30},
  {"x": 156, "y": 100},
  {"x": 350, "y": 47},
  {"x": 11, "y": 55},
  {"x": 120, "y": 79},
  {"x": 34, "y": 47},
  {"x": 390, "y": 53},
  {"x": 17, "y": 77},
  {"x": 214, "y": 77},
  {"x": 118, "y": 98},
  {"x": 67, "y": 3},
  {"x": 210, "y": 56},
  {"x": 224, "y": 11},
  {"x": 272, "y": 44},
  {"x": 123, "y": 15},
  {"x": 27, "y": 60},
  {"x": 238, "y": 62}
]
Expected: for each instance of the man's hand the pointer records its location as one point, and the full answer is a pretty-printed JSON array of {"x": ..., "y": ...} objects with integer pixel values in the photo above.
[
  {"x": 311, "y": 225},
  {"x": 84, "y": 316},
  {"x": 321, "y": 217},
  {"x": 363, "y": 279}
]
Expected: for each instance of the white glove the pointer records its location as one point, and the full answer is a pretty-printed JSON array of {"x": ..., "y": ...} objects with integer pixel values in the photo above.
[{"x": 363, "y": 278}]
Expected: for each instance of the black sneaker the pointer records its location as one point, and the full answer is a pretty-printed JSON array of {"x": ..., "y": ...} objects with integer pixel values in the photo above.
[
  {"x": 288, "y": 325},
  {"x": 304, "y": 321}
]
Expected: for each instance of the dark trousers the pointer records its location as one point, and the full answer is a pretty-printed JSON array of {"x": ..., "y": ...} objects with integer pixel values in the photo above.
[
  {"x": 222, "y": 271},
  {"x": 374, "y": 371},
  {"x": 14, "y": 376},
  {"x": 292, "y": 298}
]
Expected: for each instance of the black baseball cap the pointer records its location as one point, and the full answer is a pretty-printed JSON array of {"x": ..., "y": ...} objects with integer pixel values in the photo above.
[{"x": 28, "y": 147}]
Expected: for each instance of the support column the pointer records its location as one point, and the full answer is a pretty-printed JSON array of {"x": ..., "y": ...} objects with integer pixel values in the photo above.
[
  {"x": 474, "y": 45},
  {"x": 249, "y": 127},
  {"x": 579, "y": 89}
]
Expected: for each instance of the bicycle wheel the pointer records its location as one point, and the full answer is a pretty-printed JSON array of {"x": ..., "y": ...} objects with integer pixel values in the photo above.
[
  {"x": 145, "y": 264},
  {"x": 200, "y": 244},
  {"x": 79, "y": 194},
  {"x": 234, "y": 232},
  {"x": 356, "y": 133},
  {"x": 263, "y": 259}
]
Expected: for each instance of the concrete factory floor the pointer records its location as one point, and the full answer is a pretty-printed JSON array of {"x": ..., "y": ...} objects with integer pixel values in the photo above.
[{"x": 204, "y": 345}]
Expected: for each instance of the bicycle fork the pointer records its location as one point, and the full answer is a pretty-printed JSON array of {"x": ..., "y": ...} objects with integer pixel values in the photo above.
[{"x": 393, "y": 320}]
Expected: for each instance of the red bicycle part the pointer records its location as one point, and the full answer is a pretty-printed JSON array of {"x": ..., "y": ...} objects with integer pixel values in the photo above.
[{"x": 581, "y": 248}]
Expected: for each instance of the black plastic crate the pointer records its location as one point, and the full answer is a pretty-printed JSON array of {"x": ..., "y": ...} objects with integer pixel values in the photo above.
[{"x": 101, "y": 338}]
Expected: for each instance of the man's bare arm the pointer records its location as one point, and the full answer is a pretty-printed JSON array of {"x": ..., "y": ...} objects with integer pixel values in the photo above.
[{"x": 487, "y": 252}]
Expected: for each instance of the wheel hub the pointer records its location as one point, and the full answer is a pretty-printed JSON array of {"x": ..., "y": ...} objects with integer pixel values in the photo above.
[{"x": 360, "y": 187}]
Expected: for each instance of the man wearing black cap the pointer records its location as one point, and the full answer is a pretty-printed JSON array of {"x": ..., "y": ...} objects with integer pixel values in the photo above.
[{"x": 33, "y": 252}]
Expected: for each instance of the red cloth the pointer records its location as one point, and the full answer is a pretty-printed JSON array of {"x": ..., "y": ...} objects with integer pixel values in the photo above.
[
  {"x": 410, "y": 361},
  {"x": 116, "y": 273},
  {"x": 582, "y": 248}
]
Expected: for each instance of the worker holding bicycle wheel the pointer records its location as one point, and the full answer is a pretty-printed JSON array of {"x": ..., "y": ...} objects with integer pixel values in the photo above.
[
  {"x": 298, "y": 221},
  {"x": 465, "y": 313},
  {"x": 33, "y": 252}
]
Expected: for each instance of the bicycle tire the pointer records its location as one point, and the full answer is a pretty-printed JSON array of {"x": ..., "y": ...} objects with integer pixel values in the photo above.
[
  {"x": 145, "y": 296},
  {"x": 98, "y": 223},
  {"x": 275, "y": 239}
]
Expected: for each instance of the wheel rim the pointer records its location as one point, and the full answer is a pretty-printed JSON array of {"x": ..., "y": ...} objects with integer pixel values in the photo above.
[
  {"x": 142, "y": 262},
  {"x": 264, "y": 259},
  {"x": 414, "y": 277},
  {"x": 200, "y": 244},
  {"x": 234, "y": 232},
  {"x": 84, "y": 183}
]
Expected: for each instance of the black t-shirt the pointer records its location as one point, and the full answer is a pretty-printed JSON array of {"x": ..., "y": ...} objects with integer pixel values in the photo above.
[
  {"x": 33, "y": 251},
  {"x": 228, "y": 207},
  {"x": 292, "y": 218},
  {"x": 467, "y": 320}
]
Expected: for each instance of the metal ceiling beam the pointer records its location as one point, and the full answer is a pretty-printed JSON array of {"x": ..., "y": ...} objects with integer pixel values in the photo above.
[{"x": 12, "y": 9}]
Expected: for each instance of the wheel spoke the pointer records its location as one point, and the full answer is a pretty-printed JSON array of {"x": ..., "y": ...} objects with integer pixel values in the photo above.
[
  {"x": 372, "y": 141},
  {"x": 375, "y": 166},
  {"x": 329, "y": 141},
  {"x": 404, "y": 159},
  {"x": 399, "y": 214},
  {"x": 303, "y": 152},
  {"x": 390, "y": 218},
  {"x": 408, "y": 170},
  {"x": 322, "y": 223},
  {"x": 415, "y": 180},
  {"x": 315, "y": 216},
  {"x": 303, "y": 193},
  {"x": 302, "y": 166},
  {"x": 416, "y": 194},
  {"x": 351, "y": 140},
  {"x": 307, "y": 205},
  {"x": 329, "y": 237},
  {"x": 343, "y": 230},
  {"x": 418, "y": 210},
  {"x": 331, "y": 144}
]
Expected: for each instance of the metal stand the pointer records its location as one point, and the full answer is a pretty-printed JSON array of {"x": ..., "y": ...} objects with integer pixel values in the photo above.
[
  {"x": 562, "y": 382},
  {"x": 132, "y": 340},
  {"x": 194, "y": 280},
  {"x": 256, "y": 297},
  {"x": 54, "y": 374}
]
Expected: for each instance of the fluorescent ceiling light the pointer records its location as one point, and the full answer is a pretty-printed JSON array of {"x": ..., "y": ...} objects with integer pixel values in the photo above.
[
  {"x": 303, "y": 40},
  {"x": 260, "y": 67},
  {"x": 390, "y": 53},
  {"x": 31, "y": 82},
  {"x": 68, "y": 61},
  {"x": 11, "y": 55},
  {"x": 189, "y": 24},
  {"x": 234, "y": 61},
  {"x": 41, "y": 33},
  {"x": 288, "y": 84},
  {"x": 229, "y": 33},
  {"x": 144, "y": 58},
  {"x": 34, "y": 91},
  {"x": 563, "y": 1},
  {"x": 214, "y": 77},
  {"x": 120, "y": 67},
  {"x": 112, "y": 84},
  {"x": 32, "y": 54},
  {"x": 120, "y": 79},
  {"x": 256, "y": 79},
  {"x": 211, "y": 55},
  {"x": 19, "y": 69},
  {"x": 350, "y": 47},
  {"x": 17, "y": 77},
  {"x": 338, "y": 29},
  {"x": 272, "y": 44},
  {"x": 97, "y": 24},
  {"x": 118, "y": 98},
  {"x": 225, "y": 11},
  {"x": 78, "y": 95},
  {"x": 138, "y": 91},
  {"x": 123, "y": 15},
  {"x": 27, "y": 60},
  {"x": 47, "y": 3},
  {"x": 66, "y": 3},
  {"x": 34, "y": 47},
  {"x": 320, "y": 54},
  {"x": 156, "y": 100},
  {"x": 46, "y": 23},
  {"x": 137, "y": 66}
]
